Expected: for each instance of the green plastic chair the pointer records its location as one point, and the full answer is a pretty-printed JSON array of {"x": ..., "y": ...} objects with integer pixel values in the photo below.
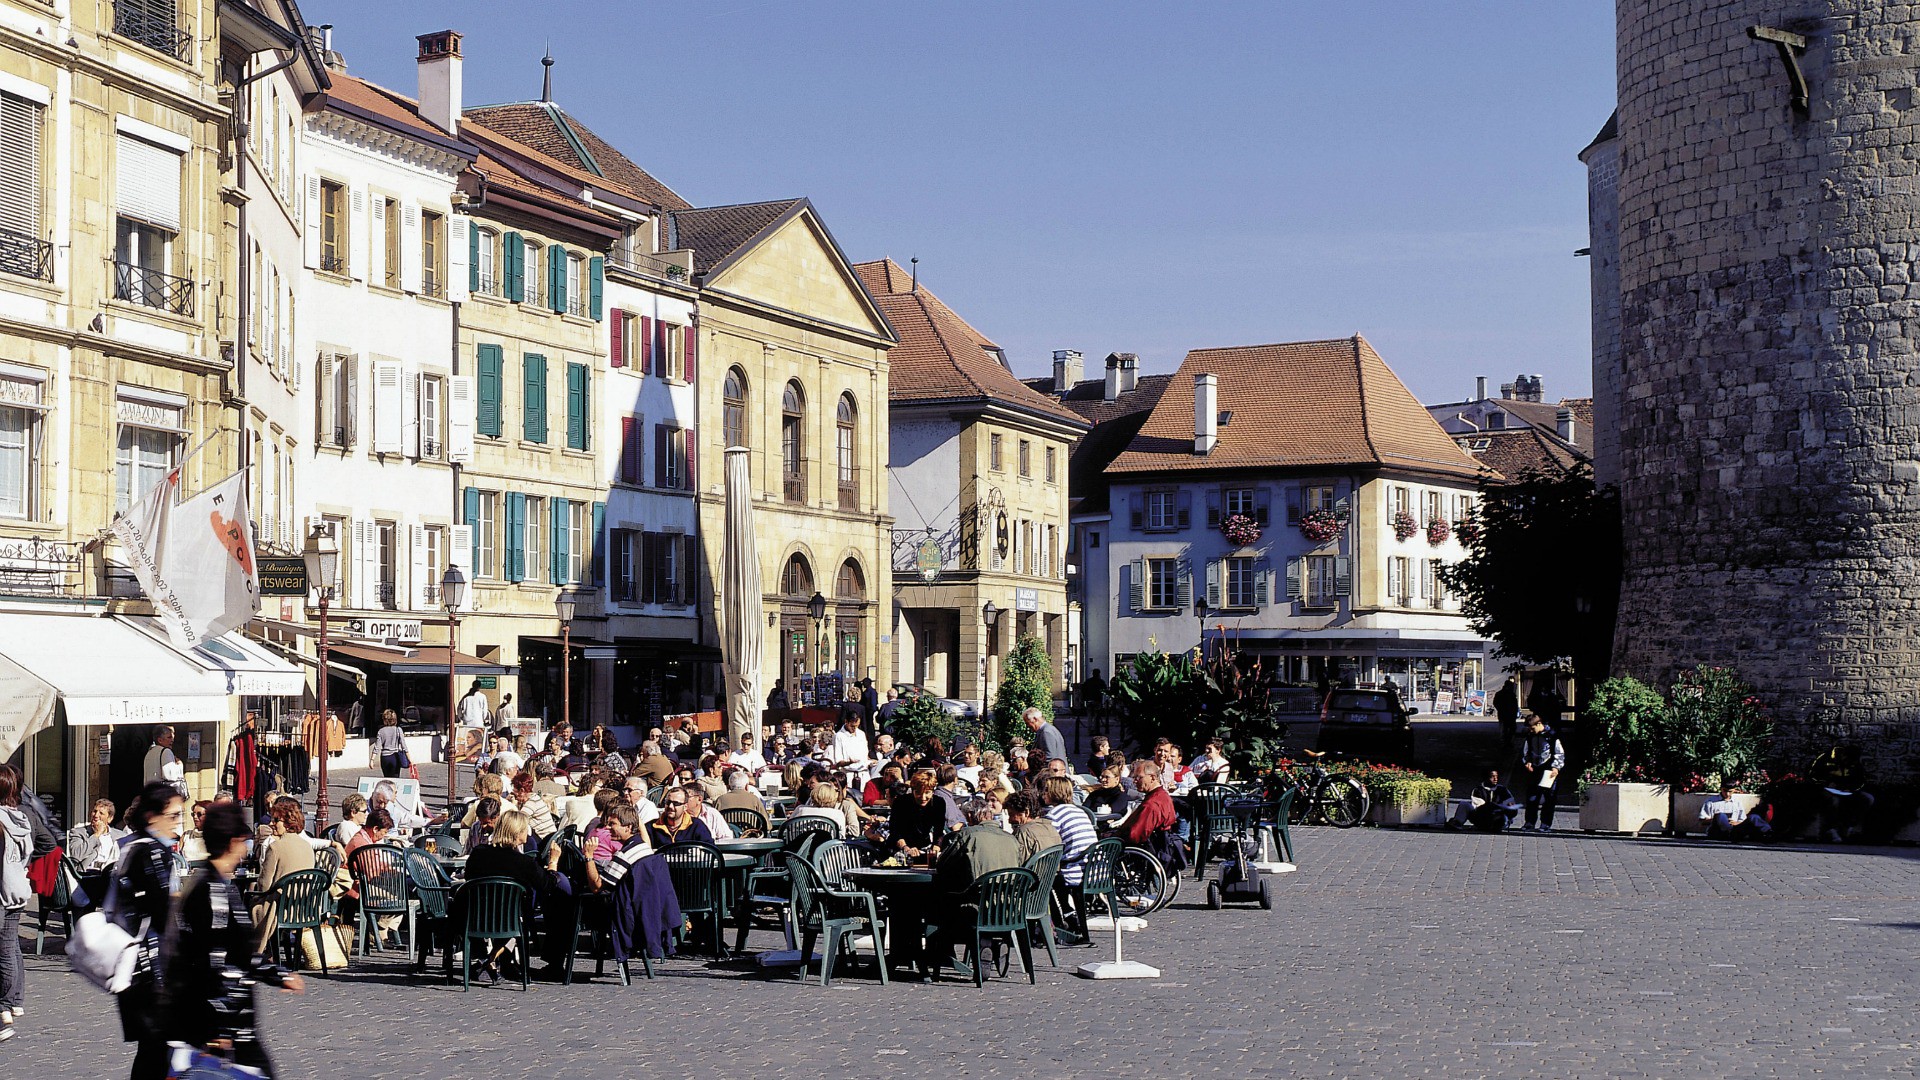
[
  {"x": 301, "y": 901},
  {"x": 771, "y": 887},
  {"x": 494, "y": 912},
  {"x": 327, "y": 860},
  {"x": 1045, "y": 865},
  {"x": 591, "y": 918},
  {"x": 998, "y": 904},
  {"x": 433, "y": 890},
  {"x": 797, "y": 826},
  {"x": 1099, "y": 869},
  {"x": 745, "y": 821},
  {"x": 833, "y": 858},
  {"x": 820, "y": 909},
  {"x": 695, "y": 870},
  {"x": 1281, "y": 809},
  {"x": 1211, "y": 821},
  {"x": 59, "y": 904}
]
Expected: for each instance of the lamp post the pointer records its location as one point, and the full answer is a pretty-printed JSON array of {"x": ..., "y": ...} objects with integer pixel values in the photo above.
[
  {"x": 322, "y": 556},
  {"x": 1200, "y": 613},
  {"x": 817, "y": 611},
  {"x": 989, "y": 611},
  {"x": 453, "y": 589},
  {"x": 563, "y": 604}
]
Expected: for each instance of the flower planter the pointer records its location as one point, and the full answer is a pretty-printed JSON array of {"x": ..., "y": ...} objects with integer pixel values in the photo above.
[
  {"x": 1432, "y": 812},
  {"x": 1686, "y": 809},
  {"x": 1624, "y": 808}
]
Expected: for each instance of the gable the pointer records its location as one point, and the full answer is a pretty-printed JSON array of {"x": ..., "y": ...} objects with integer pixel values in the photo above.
[{"x": 798, "y": 268}]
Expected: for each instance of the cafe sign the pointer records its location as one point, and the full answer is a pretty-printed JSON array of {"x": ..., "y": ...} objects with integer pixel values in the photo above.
[{"x": 405, "y": 631}]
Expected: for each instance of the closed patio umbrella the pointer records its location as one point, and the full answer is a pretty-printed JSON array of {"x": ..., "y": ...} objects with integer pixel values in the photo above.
[{"x": 740, "y": 601}]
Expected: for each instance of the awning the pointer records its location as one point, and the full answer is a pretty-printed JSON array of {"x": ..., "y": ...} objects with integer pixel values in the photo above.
[
  {"x": 243, "y": 666},
  {"x": 582, "y": 647},
  {"x": 26, "y": 706},
  {"x": 340, "y": 671},
  {"x": 421, "y": 660},
  {"x": 108, "y": 672}
]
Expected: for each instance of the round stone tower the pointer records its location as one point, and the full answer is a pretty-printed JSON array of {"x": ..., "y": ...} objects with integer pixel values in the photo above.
[{"x": 1768, "y": 388}]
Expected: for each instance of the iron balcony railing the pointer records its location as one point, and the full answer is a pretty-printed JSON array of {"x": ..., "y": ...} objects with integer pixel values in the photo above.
[
  {"x": 388, "y": 595},
  {"x": 431, "y": 285},
  {"x": 153, "y": 23},
  {"x": 151, "y": 288},
  {"x": 333, "y": 264},
  {"x": 25, "y": 256}
]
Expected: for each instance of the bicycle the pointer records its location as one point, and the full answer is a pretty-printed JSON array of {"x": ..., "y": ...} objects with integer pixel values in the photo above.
[{"x": 1320, "y": 798}]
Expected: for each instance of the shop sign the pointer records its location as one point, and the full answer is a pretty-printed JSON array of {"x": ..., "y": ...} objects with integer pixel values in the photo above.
[
  {"x": 282, "y": 576},
  {"x": 1026, "y": 599},
  {"x": 406, "y": 631}
]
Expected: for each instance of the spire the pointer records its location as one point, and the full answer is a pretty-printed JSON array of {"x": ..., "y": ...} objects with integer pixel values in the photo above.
[{"x": 546, "y": 74}]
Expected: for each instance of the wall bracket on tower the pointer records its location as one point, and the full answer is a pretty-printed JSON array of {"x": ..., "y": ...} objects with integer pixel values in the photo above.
[{"x": 1790, "y": 46}]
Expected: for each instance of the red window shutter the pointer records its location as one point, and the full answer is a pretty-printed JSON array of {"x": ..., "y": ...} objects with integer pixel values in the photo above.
[
  {"x": 692, "y": 476},
  {"x": 646, "y": 345},
  {"x": 628, "y": 465},
  {"x": 660, "y": 455},
  {"x": 616, "y": 349},
  {"x": 690, "y": 350}
]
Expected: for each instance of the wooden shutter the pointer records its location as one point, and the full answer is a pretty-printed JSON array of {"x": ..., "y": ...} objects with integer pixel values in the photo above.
[
  {"x": 487, "y": 413},
  {"x": 1296, "y": 569},
  {"x": 1260, "y": 499},
  {"x": 470, "y": 511},
  {"x": 357, "y": 230},
  {"x": 1138, "y": 584},
  {"x": 1215, "y": 571},
  {"x": 556, "y": 279},
  {"x": 419, "y": 574},
  {"x": 1184, "y": 595},
  {"x": 20, "y": 180},
  {"x": 411, "y": 267},
  {"x": 689, "y": 477},
  {"x": 324, "y": 391},
  {"x": 598, "y": 552},
  {"x": 410, "y": 414},
  {"x": 534, "y": 389},
  {"x": 462, "y": 546},
  {"x": 147, "y": 182},
  {"x": 1262, "y": 584},
  {"x": 616, "y": 339},
  {"x": 377, "y": 250},
  {"x": 689, "y": 567},
  {"x": 387, "y": 407},
  {"x": 646, "y": 344},
  {"x": 514, "y": 564},
  {"x": 1342, "y": 576},
  {"x": 596, "y": 285},
  {"x": 1294, "y": 499},
  {"x": 690, "y": 353},
  {"x": 661, "y": 441},
  {"x": 473, "y": 257},
  {"x": 1136, "y": 508},
  {"x": 630, "y": 437},
  {"x": 1213, "y": 508},
  {"x": 1183, "y": 507},
  {"x": 458, "y": 251},
  {"x": 513, "y": 266},
  {"x": 310, "y": 224},
  {"x": 460, "y": 418},
  {"x": 558, "y": 540},
  {"x": 576, "y": 407},
  {"x": 356, "y": 553},
  {"x": 350, "y": 399}
]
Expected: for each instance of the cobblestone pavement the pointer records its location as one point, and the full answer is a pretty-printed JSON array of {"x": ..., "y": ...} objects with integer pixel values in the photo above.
[{"x": 1391, "y": 953}]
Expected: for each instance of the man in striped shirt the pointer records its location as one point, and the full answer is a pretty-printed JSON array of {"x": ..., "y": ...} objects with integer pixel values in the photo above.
[{"x": 1076, "y": 827}]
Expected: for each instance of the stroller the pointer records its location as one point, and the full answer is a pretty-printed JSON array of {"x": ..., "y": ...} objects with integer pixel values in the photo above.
[{"x": 1240, "y": 881}]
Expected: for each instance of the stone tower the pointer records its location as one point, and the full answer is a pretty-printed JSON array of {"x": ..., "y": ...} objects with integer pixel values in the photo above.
[{"x": 1767, "y": 386}]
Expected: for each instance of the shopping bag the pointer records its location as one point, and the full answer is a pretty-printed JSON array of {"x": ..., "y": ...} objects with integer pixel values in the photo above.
[
  {"x": 339, "y": 947},
  {"x": 106, "y": 955},
  {"x": 193, "y": 1063}
]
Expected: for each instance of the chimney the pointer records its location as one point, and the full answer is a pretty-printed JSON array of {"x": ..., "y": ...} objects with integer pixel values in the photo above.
[
  {"x": 320, "y": 39},
  {"x": 1563, "y": 425},
  {"x": 1206, "y": 413},
  {"x": 1113, "y": 377},
  {"x": 440, "y": 79},
  {"x": 1480, "y": 388},
  {"x": 1067, "y": 368},
  {"x": 1129, "y": 370}
]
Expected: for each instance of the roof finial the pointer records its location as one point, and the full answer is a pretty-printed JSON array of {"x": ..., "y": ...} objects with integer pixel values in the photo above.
[
  {"x": 916, "y": 272},
  {"x": 546, "y": 73}
]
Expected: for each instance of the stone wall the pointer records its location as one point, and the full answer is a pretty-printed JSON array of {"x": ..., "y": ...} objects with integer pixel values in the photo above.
[
  {"x": 1770, "y": 396},
  {"x": 1602, "y": 159}
]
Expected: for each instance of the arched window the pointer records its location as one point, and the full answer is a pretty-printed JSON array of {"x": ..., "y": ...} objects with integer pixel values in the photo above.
[
  {"x": 843, "y": 454},
  {"x": 851, "y": 584},
  {"x": 797, "y": 578},
  {"x": 793, "y": 464},
  {"x": 733, "y": 408}
]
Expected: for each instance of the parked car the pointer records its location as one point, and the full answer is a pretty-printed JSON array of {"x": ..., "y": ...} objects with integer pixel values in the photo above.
[
  {"x": 1369, "y": 724},
  {"x": 959, "y": 710},
  {"x": 1297, "y": 710}
]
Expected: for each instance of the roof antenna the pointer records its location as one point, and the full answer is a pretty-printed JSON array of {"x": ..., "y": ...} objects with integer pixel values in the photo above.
[
  {"x": 916, "y": 272},
  {"x": 546, "y": 73}
]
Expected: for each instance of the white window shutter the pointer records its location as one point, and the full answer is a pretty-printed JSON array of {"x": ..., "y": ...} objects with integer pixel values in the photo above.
[
  {"x": 1138, "y": 584},
  {"x": 421, "y": 574},
  {"x": 351, "y": 397},
  {"x": 387, "y": 407},
  {"x": 324, "y": 391},
  {"x": 460, "y": 554},
  {"x": 1342, "y": 576},
  {"x": 1185, "y": 595},
  {"x": 459, "y": 408},
  {"x": 1214, "y": 568},
  {"x": 310, "y": 224},
  {"x": 357, "y": 235},
  {"x": 355, "y": 555},
  {"x": 457, "y": 270},
  {"x": 148, "y": 182},
  {"x": 1296, "y": 568},
  {"x": 410, "y": 248},
  {"x": 410, "y": 414},
  {"x": 377, "y": 243},
  {"x": 1263, "y": 584}
]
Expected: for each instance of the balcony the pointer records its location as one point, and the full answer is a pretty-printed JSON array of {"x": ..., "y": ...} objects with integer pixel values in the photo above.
[
  {"x": 577, "y": 306},
  {"x": 652, "y": 265},
  {"x": 25, "y": 256},
  {"x": 430, "y": 449},
  {"x": 489, "y": 285},
  {"x": 336, "y": 263},
  {"x": 151, "y": 288},
  {"x": 152, "y": 23},
  {"x": 794, "y": 484},
  {"x": 430, "y": 595}
]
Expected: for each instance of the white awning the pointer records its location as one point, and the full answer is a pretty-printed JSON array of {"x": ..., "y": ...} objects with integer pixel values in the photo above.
[
  {"x": 108, "y": 672},
  {"x": 26, "y": 706},
  {"x": 244, "y": 666}
]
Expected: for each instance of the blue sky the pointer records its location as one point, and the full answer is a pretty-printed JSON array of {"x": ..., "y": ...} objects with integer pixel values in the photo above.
[{"x": 1144, "y": 178}]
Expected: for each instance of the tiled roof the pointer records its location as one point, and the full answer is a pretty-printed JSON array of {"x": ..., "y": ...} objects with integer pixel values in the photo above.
[
  {"x": 1303, "y": 404},
  {"x": 716, "y": 232},
  {"x": 1114, "y": 424},
  {"x": 1582, "y": 409},
  {"x": 401, "y": 112},
  {"x": 940, "y": 356},
  {"x": 551, "y": 130},
  {"x": 1514, "y": 452}
]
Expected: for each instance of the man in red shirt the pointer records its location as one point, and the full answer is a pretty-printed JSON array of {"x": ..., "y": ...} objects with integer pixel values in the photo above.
[{"x": 1154, "y": 811}]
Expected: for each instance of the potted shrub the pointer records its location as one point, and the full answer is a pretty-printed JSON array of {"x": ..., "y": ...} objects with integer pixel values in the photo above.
[
  {"x": 1717, "y": 734},
  {"x": 1399, "y": 796},
  {"x": 1621, "y": 790}
]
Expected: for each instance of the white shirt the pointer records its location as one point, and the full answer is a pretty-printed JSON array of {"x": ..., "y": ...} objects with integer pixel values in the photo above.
[
  {"x": 850, "y": 747},
  {"x": 1716, "y": 806},
  {"x": 474, "y": 711},
  {"x": 749, "y": 760},
  {"x": 514, "y": 761},
  {"x": 716, "y": 822}
]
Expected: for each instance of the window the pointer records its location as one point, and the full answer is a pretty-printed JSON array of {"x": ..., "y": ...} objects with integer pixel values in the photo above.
[
  {"x": 486, "y": 537},
  {"x": 1163, "y": 583},
  {"x": 1320, "y": 497},
  {"x": 579, "y": 548},
  {"x": 1400, "y": 500},
  {"x": 850, "y": 584},
  {"x": 19, "y": 446},
  {"x": 1161, "y": 510},
  {"x": 142, "y": 254},
  {"x": 530, "y": 289},
  {"x": 153, "y": 23},
  {"x": 145, "y": 457},
  {"x": 796, "y": 579},
  {"x": 1431, "y": 586},
  {"x": 391, "y": 269},
  {"x": 532, "y": 527},
  {"x": 433, "y": 271},
  {"x": 486, "y": 276},
  {"x": 337, "y": 528},
  {"x": 432, "y": 438},
  {"x": 333, "y": 230},
  {"x": 665, "y": 562},
  {"x": 733, "y": 408},
  {"x": 533, "y": 407},
  {"x": 625, "y": 546},
  {"x": 1240, "y": 576},
  {"x": 1052, "y": 469},
  {"x": 1239, "y": 501},
  {"x": 1398, "y": 585},
  {"x": 1321, "y": 586},
  {"x": 1026, "y": 458},
  {"x": 994, "y": 460},
  {"x": 673, "y": 457},
  {"x": 843, "y": 452},
  {"x": 432, "y": 560},
  {"x": 669, "y": 350},
  {"x": 1436, "y": 506},
  {"x": 337, "y": 386},
  {"x": 579, "y": 423},
  {"x": 387, "y": 548},
  {"x": 23, "y": 252},
  {"x": 793, "y": 462}
]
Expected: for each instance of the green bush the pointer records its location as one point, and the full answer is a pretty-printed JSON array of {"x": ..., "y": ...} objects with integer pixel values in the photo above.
[
  {"x": 918, "y": 717},
  {"x": 1717, "y": 731},
  {"x": 1187, "y": 701},
  {"x": 1390, "y": 785},
  {"x": 1026, "y": 681},
  {"x": 1628, "y": 720}
]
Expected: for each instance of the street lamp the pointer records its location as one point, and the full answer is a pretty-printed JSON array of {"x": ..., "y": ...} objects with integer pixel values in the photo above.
[
  {"x": 563, "y": 604},
  {"x": 1200, "y": 612},
  {"x": 322, "y": 556},
  {"x": 817, "y": 611},
  {"x": 989, "y": 611},
  {"x": 453, "y": 589}
]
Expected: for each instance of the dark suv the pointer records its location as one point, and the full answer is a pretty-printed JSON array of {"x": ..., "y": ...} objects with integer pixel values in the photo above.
[{"x": 1369, "y": 724}]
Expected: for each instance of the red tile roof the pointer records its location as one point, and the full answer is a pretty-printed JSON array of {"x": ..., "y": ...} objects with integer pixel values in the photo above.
[
  {"x": 1515, "y": 452},
  {"x": 940, "y": 356},
  {"x": 715, "y": 233},
  {"x": 1307, "y": 404},
  {"x": 554, "y": 132}
]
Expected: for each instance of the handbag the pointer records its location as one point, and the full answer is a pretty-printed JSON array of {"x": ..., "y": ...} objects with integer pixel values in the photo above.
[
  {"x": 106, "y": 955},
  {"x": 193, "y": 1063},
  {"x": 339, "y": 942}
]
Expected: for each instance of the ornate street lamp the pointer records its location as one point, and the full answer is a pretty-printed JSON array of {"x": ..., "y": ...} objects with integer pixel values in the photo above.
[
  {"x": 563, "y": 605},
  {"x": 817, "y": 611},
  {"x": 453, "y": 589},
  {"x": 322, "y": 556}
]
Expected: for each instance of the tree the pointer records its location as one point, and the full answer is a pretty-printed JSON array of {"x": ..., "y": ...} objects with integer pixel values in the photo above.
[
  {"x": 919, "y": 716},
  {"x": 1187, "y": 701},
  {"x": 1542, "y": 577},
  {"x": 1026, "y": 681}
]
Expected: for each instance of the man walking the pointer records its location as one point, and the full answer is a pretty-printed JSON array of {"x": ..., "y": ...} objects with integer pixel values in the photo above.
[{"x": 1046, "y": 737}]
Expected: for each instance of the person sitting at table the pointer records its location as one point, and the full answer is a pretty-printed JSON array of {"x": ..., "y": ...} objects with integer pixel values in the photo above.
[
  {"x": 972, "y": 852},
  {"x": 1096, "y": 761},
  {"x": 643, "y": 912},
  {"x": 969, "y": 767},
  {"x": 283, "y": 858},
  {"x": 353, "y": 817},
  {"x": 948, "y": 777},
  {"x": 1212, "y": 766},
  {"x": 746, "y": 755},
  {"x": 879, "y": 790},
  {"x": 740, "y": 794},
  {"x": 635, "y": 789},
  {"x": 604, "y": 801},
  {"x": 547, "y": 781},
  {"x": 1153, "y": 813},
  {"x": 95, "y": 846},
  {"x": 504, "y": 856},
  {"x": 1031, "y": 829},
  {"x": 401, "y": 817},
  {"x": 1017, "y": 761},
  {"x": 676, "y": 824},
  {"x": 1110, "y": 799},
  {"x": 486, "y": 815},
  {"x": 993, "y": 775},
  {"x": 577, "y": 809},
  {"x": 533, "y": 804},
  {"x": 824, "y": 802},
  {"x": 918, "y": 819},
  {"x": 715, "y": 821},
  {"x": 1076, "y": 828},
  {"x": 654, "y": 767}
]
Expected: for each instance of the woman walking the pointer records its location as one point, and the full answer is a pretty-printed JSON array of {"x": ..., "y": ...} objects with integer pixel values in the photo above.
[
  {"x": 390, "y": 742},
  {"x": 22, "y": 840},
  {"x": 142, "y": 892},
  {"x": 209, "y": 958}
]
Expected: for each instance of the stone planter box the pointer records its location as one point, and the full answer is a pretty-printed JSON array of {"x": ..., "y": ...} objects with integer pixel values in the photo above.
[
  {"x": 1625, "y": 808},
  {"x": 1424, "y": 813},
  {"x": 1686, "y": 810}
]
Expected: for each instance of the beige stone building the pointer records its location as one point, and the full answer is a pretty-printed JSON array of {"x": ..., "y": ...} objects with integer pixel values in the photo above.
[
  {"x": 794, "y": 366},
  {"x": 977, "y": 472}
]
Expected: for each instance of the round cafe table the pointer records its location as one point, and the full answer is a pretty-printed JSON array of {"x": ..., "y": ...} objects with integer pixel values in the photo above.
[
  {"x": 757, "y": 846},
  {"x": 909, "y": 894}
]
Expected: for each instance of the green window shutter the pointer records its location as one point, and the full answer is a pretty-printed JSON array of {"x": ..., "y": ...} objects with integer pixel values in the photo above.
[
  {"x": 473, "y": 258},
  {"x": 599, "y": 572},
  {"x": 487, "y": 412},
  {"x": 596, "y": 284},
  {"x": 516, "y": 568},
  {"x": 535, "y": 408},
  {"x": 558, "y": 529},
  {"x": 576, "y": 407},
  {"x": 470, "y": 507},
  {"x": 557, "y": 278},
  {"x": 513, "y": 266}
]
